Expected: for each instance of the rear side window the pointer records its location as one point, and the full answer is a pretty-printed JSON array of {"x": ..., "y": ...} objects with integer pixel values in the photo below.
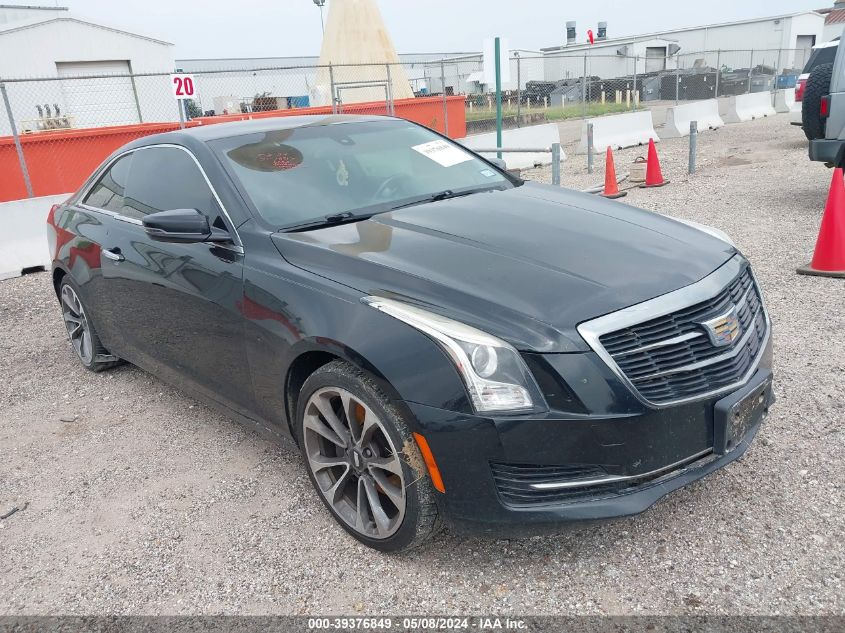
[
  {"x": 165, "y": 179},
  {"x": 109, "y": 191},
  {"x": 826, "y": 55}
]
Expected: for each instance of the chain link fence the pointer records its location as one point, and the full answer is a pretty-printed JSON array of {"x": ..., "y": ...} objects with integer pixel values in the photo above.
[
  {"x": 561, "y": 86},
  {"x": 54, "y": 131}
]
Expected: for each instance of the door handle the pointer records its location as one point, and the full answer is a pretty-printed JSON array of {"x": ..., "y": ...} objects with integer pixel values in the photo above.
[{"x": 113, "y": 254}]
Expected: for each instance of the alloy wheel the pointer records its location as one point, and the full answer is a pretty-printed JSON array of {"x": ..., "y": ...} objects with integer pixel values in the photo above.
[
  {"x": 354, "y": 462},
  {"x": 77, "y": 325}
]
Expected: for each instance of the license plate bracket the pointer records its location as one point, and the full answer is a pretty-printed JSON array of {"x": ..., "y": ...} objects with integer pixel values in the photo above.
[{"x": 736, "y": 414}]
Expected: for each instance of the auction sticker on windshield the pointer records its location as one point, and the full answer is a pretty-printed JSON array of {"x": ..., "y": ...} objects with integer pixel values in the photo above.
[{"x": 442, "y": 153}]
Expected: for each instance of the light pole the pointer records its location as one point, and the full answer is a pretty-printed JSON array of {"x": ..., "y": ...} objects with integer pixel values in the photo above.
[{"x": 321, "y": 4}]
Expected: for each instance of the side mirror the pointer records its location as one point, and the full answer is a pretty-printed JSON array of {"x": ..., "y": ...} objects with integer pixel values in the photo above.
[
  {"x": 182, "y": 226},
  {"x": 498, "y": 162}
]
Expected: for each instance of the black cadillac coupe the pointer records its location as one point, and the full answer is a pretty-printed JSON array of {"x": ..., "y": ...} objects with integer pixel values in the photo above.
[{"x": 441, "y": 340}]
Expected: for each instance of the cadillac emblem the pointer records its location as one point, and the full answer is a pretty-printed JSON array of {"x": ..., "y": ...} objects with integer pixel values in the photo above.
[{"x": 724, "y": 329}]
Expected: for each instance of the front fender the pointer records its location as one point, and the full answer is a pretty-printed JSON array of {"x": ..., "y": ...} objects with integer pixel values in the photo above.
[{"x": 409, "y": 366}]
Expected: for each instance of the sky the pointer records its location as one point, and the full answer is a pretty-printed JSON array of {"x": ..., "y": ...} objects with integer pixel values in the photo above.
[{"x": 276, "y": 28}]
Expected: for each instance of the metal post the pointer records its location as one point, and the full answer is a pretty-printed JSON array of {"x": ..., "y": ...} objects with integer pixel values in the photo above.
[
  {"x": 777, "y": 70},
  {"x": 750, "y": 69},
  {"x": 497, "y": 53},
  {"x": 590, "y": 146},
  {"x": 693, "y": 145},
  {"x": 181, "y": 105},
  {"x": 443, "y": 86},
  {"x": 518, "y": 90},
  {"x": 135, "y": 95},
  {"x": 390, "y": 109},
  {"x": 718, "y": 71},
  {"x": 677, "y": 81},
  {"x": 556, "y": 164},
  {"x": 18, "y": 147},
  {"x": 332, "y": 88},
  {"x": 636, "y": 100},
  {"x": 584, "y": 89}
]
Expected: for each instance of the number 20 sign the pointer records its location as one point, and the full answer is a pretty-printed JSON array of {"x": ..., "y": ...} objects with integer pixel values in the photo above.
[{"x": 183, "y": 86}]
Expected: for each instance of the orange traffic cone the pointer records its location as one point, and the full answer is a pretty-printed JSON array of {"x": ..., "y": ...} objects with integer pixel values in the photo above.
[
  {"x": 829, "y": 256},
  {"x": 611, "y": 187},
  {"x": 653, "y": 174}
]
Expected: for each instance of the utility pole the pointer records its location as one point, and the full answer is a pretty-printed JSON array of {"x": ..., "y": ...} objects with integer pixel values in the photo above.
[
  {"x": 497, "y": 52},
  {"x": 518, "y": 90},
  {"x": 321, "y": 4}
]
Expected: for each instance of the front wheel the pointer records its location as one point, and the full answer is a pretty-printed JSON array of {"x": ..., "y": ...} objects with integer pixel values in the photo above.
[{"x": 362, "y": 459}]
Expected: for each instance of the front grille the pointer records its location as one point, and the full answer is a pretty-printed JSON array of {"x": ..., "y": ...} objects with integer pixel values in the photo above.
[
  {"x": 516, "y": 483},
  {"x": 672, "y": 357}
]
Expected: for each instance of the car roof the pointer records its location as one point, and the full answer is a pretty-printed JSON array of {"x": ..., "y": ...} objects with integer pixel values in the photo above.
[{"x": 205, "y": 133}]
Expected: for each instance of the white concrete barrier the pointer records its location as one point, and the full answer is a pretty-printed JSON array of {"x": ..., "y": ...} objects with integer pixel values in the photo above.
[
  {"x": 23, "y": 239},
  {"x": 531, "y": 137},
  {"x": 678, "y": 118},
  {"x": 785, "y": 101},
  {"x": 618, "y": 131},
  {"x": 748, "y": 107}
]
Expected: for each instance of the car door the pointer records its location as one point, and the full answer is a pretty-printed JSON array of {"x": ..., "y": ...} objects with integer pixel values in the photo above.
[
  {"x": 82, "y": 231},
  {"x": 175, "y": 308}
]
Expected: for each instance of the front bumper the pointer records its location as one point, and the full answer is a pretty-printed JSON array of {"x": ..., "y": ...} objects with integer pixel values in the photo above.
[
  {"x": 827, "y": 150},
  {"x": 649, "y": 452}
]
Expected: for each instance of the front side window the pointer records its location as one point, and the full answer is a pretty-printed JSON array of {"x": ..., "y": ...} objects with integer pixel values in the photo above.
[
  {"x": 165, "y": 179},
  {"x": 293, "y": 176},
  {"x": 108, "y": 192}
]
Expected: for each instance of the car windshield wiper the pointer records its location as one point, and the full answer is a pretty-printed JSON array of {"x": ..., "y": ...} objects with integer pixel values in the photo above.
[
  {"x": 443, "y": 195},
  {"x": 347, "y": 216},
  {"x": 332, "y": 219}
]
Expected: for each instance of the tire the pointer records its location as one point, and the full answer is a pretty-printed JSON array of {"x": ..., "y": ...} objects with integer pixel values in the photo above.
[
  {"x": 81, "y": 333},
  {"x": 818, "y": 85},
  {"x": 388, "y": 460}
]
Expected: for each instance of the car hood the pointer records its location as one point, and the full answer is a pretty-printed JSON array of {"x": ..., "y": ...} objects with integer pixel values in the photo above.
[{"x": 527, "y": 264}]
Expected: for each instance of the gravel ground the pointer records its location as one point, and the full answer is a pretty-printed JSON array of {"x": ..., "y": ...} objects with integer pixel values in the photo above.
[{"x": 142, "y": 501}]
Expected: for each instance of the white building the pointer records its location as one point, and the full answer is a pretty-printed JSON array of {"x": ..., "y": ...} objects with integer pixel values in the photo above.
[
  {"x": 782, "y": 42},
  {"x": 50, "y": 45},
  {"x": 464, "y": 74}
]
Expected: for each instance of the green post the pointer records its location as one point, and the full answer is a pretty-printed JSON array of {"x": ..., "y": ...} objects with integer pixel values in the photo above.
[{"x": 498, "y": 97}]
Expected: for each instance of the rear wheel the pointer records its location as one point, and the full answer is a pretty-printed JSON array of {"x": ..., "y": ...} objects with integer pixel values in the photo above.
[
  {"x": 83, "y": 337},
  {"x": 818, "y": 85},
  {"x": 362, "y": 459}
]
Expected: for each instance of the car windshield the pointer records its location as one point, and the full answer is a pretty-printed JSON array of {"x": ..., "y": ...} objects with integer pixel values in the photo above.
[{"x": 301, "y": 175}]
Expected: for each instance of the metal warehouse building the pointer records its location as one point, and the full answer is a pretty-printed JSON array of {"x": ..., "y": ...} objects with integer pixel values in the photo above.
[
  {"x": 781, "y": 42},
  {"x": 834, "y": 20},
  {"x": 51, "y": 44}
]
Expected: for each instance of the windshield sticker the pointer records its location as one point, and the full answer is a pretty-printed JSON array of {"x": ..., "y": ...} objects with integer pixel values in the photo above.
[
  {"x": 489, "y": 173},
  {"x": 443, "y": 153}
]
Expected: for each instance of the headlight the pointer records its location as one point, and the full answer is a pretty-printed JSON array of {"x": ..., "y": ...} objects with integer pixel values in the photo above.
[{"x": 494, "y": 373}]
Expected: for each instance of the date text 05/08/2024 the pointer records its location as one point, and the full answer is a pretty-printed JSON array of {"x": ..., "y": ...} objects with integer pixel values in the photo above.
[{"x": 416, "y": 623}]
